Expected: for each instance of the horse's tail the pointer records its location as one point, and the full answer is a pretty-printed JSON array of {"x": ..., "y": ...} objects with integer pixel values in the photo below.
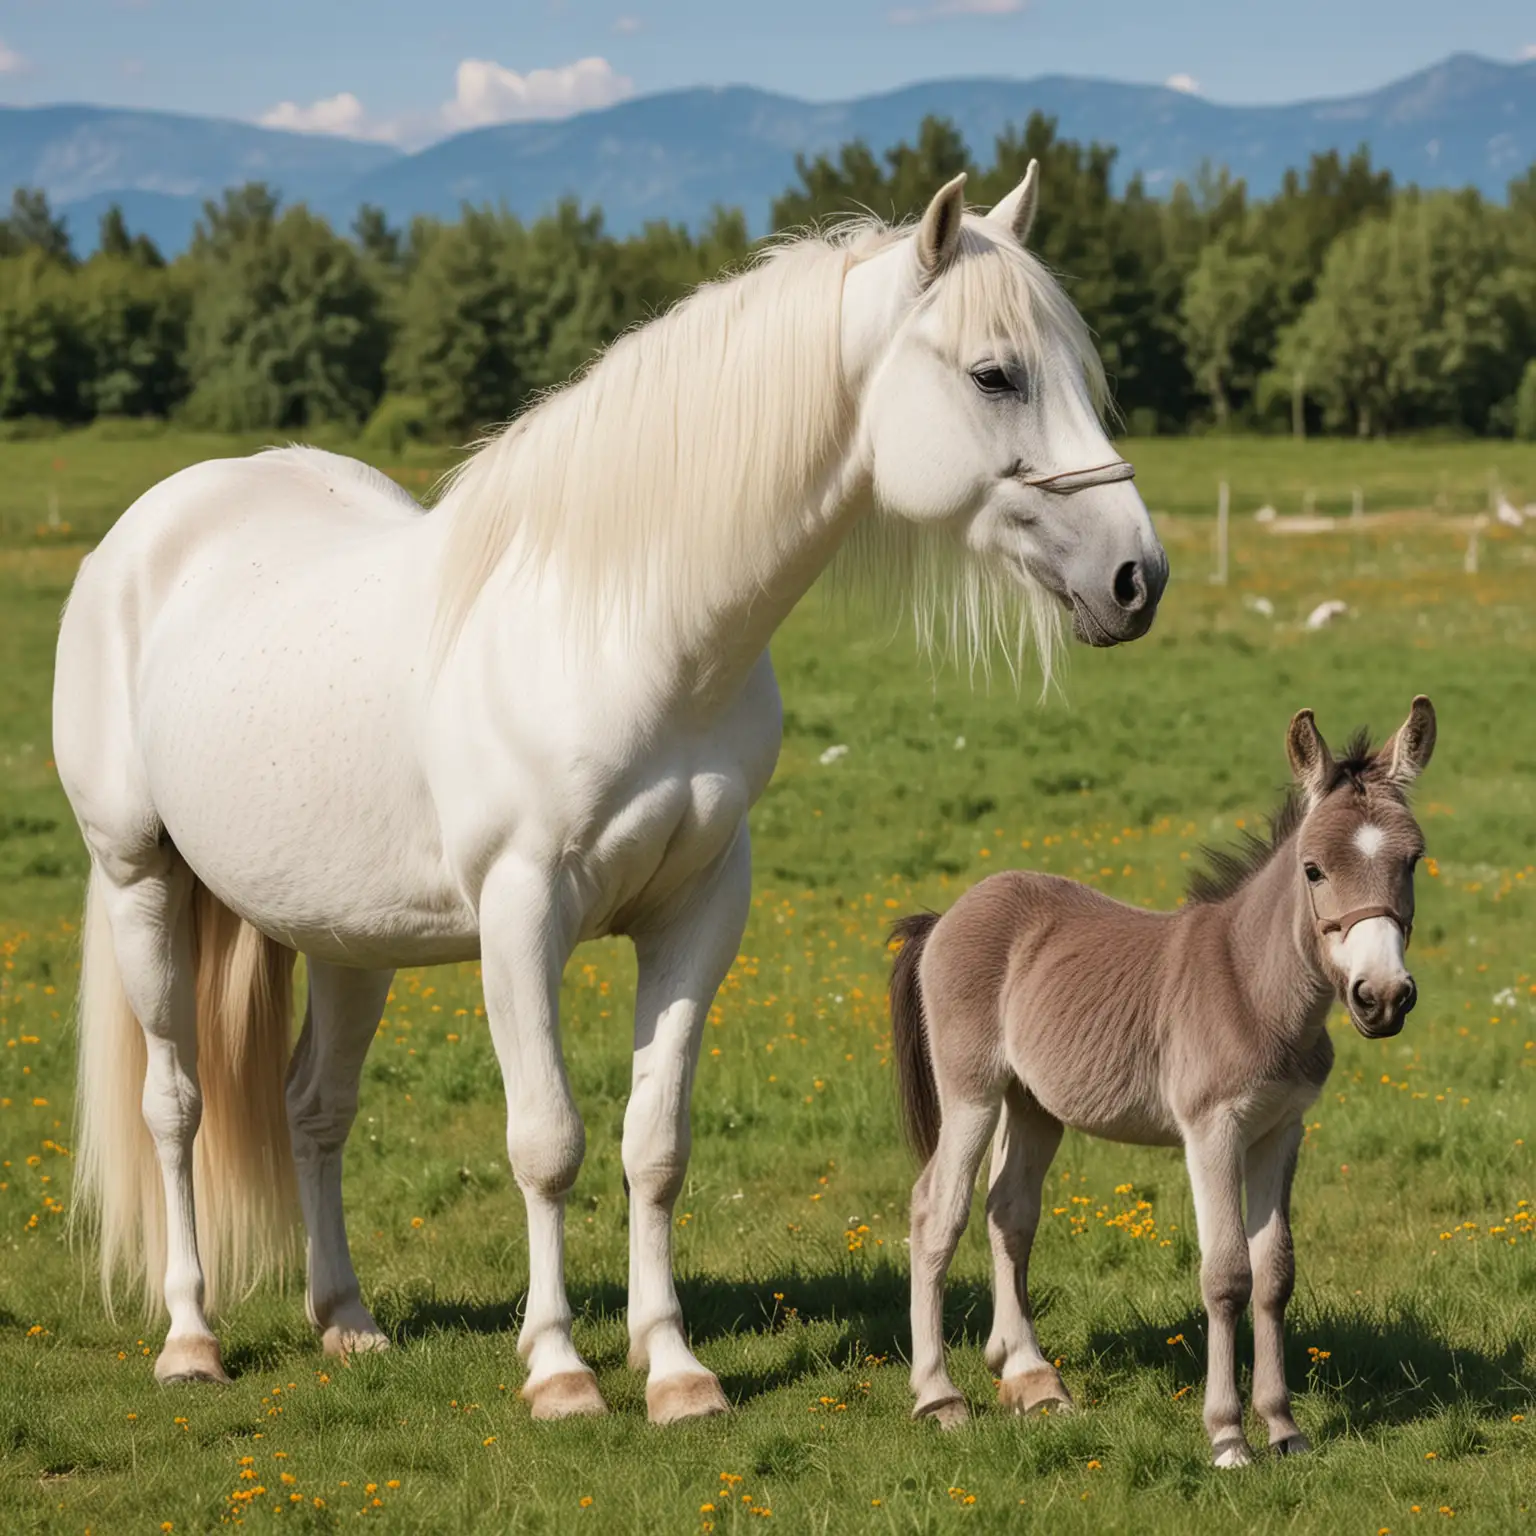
[
  {"x": 243, "y": 1163},
  {"x": 920, "y": 1111}
]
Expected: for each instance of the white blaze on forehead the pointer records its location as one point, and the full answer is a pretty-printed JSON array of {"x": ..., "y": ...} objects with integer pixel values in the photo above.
[{"x": 1369, "y": 840}]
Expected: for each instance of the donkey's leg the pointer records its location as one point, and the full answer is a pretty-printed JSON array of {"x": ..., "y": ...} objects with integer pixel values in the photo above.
[
  {"x": 339, "y": 1023},
  {"x": 681, "y": 965},
  {"x": 525, "y": 943},
  {"x": 1215, "y": 1158},
  {"x": 1021, "y": 1153},
  {"x": 151, "y": 918},
  {"x": 941, "y": 1206},
  {"x": 1271, "y": 1166}
]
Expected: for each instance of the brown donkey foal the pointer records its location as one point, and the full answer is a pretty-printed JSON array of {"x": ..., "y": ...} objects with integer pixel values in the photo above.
[{"x": 1204, "y": 1027}]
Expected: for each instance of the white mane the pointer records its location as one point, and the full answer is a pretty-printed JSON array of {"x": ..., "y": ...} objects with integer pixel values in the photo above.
[{"x": 685, "y": 457}]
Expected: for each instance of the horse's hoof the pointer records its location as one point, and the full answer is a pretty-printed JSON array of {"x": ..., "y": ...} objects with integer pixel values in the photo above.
[
  {"x": 566, "y": 1395},
  {"x": 1292, "y": 1445},
  {"x": 342, "y": 1343},
  {"x": 1232, "y": 1453},
  {"x": 673, "y": 1399},
  {"x": 949, "y": 1413},
  {"x": 194, "y": 1358},
  {"x": 1037, "y": 1391}
]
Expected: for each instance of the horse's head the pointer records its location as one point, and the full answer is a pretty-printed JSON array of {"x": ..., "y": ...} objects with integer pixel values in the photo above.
[
  {"x": 980, "y": 399},
  {"x": 1356, "y": 849}
]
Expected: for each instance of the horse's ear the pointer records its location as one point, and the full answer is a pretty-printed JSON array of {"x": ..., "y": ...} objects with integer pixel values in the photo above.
[
  {"x": 1017, "y": 210},
  {"x": 1311, "y": 761},
  {"x": 1412, "y": 745},
  {"x": 938, "y": 236}
]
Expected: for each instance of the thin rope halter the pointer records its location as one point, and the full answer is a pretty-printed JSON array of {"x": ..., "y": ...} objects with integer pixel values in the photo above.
[
  {"x": 1341, "y": 925},
  {"x": 1068, "y": 482}
]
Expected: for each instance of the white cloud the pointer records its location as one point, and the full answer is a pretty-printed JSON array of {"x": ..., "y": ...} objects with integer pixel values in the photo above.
[
  {"x": 1529, "y": 51},
  {"x": 1185, "y": 83},
  {"x": 11, "y": 62},
  {"x": 627, "y": 25},
  {"x": 484, "y": 93},
  {"x": 948, "y": 10},
  {"x": 488, "y": 93},
  {"x": 342, "y": 115}
]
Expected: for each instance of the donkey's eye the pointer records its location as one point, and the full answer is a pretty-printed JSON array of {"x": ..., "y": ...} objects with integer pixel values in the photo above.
[
  {"x": 1314, "y": 874},
  {"x": 992, "y": 381}
]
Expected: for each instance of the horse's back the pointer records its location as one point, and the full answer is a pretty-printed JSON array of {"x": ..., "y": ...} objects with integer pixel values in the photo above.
[{"x": 235, "y": 665}]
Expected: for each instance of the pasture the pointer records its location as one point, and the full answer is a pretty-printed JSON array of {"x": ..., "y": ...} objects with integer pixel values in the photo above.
[{"x": 1412, "y": 1341}]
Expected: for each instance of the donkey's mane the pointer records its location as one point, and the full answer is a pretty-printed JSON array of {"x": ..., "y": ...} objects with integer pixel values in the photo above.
[
  {"x": 693, "y": 451},
  {"x": 1228, "y": 870}
]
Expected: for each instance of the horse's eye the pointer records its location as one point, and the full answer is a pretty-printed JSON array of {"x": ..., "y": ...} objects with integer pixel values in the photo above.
[
  {"x": 1314, "y": 874},
  {"x": 992, "y": 381}
]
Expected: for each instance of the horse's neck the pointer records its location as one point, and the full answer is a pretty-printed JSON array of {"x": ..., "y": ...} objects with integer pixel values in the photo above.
[
  {"x": 689, "y": 492},
  {"x": 1275, "y": 948}
]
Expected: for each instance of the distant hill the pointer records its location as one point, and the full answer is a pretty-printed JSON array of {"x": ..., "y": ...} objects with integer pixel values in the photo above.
[{"x": 1467, "y": 121}]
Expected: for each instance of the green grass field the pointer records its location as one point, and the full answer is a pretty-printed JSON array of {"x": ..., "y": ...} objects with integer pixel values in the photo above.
[{"x": 1413, "y": 1331}]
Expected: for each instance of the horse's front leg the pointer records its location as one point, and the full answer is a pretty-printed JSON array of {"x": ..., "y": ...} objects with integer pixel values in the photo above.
[
  {"x": 683, "y": 957},
  {"x": 525, "y": 942},
  {"x": 1214, "y": 1153}
]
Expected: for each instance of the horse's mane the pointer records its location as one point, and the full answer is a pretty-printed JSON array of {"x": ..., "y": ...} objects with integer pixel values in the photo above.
[
  {"x": 1228, "y": 870},
  {"x": 694, "y": 450}
]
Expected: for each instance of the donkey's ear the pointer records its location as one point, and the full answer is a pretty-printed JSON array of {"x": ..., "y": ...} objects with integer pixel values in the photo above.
[
  {"x": 938, "y": 236},
  {"x": 1412, "y": 745},
  {"x": 1017, "y": 210},
  {"x": 1311, "y": 761}
]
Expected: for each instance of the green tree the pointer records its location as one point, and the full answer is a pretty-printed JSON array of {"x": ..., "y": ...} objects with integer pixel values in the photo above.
[
  {"x": 32, "y": 226},
  {"x": 133, "y": 319},
  {"x": 375, "y": 237},
  {"x": 114, "y": 240},
  {"x": 1228, "y": 301},
  {"x": 45, "y": 362},
  {"x": 287, "y": 329},
  {"x": 856, "y": 182}
]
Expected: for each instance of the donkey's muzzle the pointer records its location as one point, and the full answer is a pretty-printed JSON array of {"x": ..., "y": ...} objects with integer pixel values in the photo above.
[{"x": 1378, "y": 1012}]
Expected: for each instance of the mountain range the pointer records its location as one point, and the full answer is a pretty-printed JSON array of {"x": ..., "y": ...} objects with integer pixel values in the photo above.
[{"x": 675, "y": 155}]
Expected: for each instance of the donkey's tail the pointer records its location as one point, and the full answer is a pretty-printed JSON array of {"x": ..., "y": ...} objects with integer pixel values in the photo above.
[
  {"x": 243, "y": 1164},
  {"x": 909, "y": 1035}
]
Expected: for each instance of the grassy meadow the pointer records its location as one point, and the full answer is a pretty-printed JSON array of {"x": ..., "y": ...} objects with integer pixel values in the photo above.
[{"x": 1413, "y": 1331}]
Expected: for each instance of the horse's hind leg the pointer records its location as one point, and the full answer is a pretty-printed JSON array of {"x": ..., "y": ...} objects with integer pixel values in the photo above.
[
  {"x": 1026, "y": 1142},
  {"x": 941, "y": 1206},
  {"x": 151, "y": 920},
  {"x": 1271, "y": 1164},
  {"x": 339, "y": 1023}
]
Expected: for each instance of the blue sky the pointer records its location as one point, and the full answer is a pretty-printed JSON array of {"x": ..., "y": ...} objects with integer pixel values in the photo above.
[{"x": 412, "y": 70}]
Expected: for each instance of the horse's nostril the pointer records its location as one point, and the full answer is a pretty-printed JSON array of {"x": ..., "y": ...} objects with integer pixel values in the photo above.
[
  {"x": 1361, "y": 997},
  {"x": 1130, "y": 587}
]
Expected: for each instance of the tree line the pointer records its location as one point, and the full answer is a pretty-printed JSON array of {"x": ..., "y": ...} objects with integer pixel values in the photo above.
[{"x": 1344, "y": 303}]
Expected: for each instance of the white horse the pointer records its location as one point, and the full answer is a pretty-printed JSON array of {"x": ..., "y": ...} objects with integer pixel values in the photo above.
[{"x": 294, "y": 713}]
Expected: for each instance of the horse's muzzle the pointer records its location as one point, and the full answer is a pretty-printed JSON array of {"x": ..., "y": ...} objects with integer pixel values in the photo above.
[{"x": 1135, "y": 591}]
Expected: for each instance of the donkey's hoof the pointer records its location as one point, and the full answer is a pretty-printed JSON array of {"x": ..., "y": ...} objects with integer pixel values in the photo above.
[
  {"x": 566, "y": 1395},
  {"x": 1292, "y": 1445},
  {"x": 193, "y": 1358},
  {"x": 1037, "y": 1391},
  {"x": 1232, "y": 1453},
  {"x": 696, "y": 1395},
  {"x": 948, "y": 1413},
  {"x": 342, "y": 1343}
]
